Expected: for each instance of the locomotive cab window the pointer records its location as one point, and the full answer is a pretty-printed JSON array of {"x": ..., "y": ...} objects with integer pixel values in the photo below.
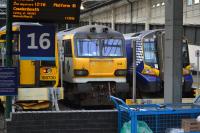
[
  {"x": 88, "y": 47},
  {"x": 112, "y": 47},
  {"x": 150, "y": 53},
  {"x": 67, "y": 48}
]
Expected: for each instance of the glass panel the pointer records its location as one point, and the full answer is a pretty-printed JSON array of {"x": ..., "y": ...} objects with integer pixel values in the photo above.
[
  {"x": 189, "y": 2},
  {"x": 112, "y": 47},
  {"x": 150, "y": 52},
  {"x": 185, "y": 55},
  {"x": 88, "y": 47}
]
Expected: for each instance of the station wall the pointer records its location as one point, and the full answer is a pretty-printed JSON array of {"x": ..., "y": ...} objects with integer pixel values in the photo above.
[{"x": 138, "y": 15}]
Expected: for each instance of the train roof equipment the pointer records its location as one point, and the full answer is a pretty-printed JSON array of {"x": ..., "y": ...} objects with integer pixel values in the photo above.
[{"x": 97, "y": 29}]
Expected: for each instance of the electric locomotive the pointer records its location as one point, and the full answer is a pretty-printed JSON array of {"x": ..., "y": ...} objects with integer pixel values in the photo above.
[
  {"x": 149, "y": 47},
  {"x": 94, "y": 64}
]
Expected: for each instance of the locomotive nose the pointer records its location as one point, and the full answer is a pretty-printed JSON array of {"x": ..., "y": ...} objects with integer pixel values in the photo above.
[{"x": 102, "y": 67}]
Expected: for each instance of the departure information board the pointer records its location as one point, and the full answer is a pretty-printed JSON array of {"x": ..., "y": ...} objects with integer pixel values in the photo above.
[
  {"x": 56, "y": 11},
  {"x": 8, "y": 81}
]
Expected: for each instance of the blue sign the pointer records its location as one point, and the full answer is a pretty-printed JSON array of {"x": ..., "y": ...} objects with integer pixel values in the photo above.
[
  {"x": 37, "y": 43},
  {"x": 8, "y": 81}
]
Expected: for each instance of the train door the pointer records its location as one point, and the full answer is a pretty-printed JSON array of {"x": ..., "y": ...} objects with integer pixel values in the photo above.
[{"x": 67, "y": 66}]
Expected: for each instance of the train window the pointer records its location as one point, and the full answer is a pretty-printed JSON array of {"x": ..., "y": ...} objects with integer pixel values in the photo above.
[
  {"x": 150, "y": 52},
  {"x": 112, "y": 47},
  {"x": 185, "y": 56},
  {"x": 88, "y": 47},
  {"x": 67, "y": 48}
]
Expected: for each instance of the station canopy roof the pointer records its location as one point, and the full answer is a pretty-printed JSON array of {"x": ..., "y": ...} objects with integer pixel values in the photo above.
[{"x": 89, "y": 5}]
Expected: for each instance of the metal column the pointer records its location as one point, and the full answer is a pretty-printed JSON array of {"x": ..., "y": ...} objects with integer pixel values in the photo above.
[
  {"x": 90, "y": 20},
  {"x": 148, "y": 14},
  {"x": 8, "y": 52},
  {"x": 134, "y": 72},
  {"x": 173, "y": 51},
  {"x": 113, "y": 19}
]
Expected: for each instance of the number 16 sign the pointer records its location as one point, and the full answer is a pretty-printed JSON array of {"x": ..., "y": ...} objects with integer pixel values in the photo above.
[{"x": 37, "y": 43}]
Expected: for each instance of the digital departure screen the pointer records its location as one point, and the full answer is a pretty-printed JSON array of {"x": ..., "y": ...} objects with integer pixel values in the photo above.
[{"x": 58, "y": 11}]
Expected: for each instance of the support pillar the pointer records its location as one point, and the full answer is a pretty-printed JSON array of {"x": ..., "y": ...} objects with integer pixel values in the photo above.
[
  {"x": 8, "y": 52},
  {"x": 113, "y": 19},
  {"x": 173, "y": 51},
  {"x": 148, "y": 14},
  {"x": 90, "y": 20}
]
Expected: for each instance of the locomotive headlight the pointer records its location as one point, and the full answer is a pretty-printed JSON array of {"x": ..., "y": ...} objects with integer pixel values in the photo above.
[
  {"x": 47, "y": 70},
  {"x": 121, "y": 72},
  {"x": 81, "y": 72}
]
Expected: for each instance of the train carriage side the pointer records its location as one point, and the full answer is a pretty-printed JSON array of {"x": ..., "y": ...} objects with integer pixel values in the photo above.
[
  {"x": 149, "y": 61},
  {"x": 147, "y": 71}
]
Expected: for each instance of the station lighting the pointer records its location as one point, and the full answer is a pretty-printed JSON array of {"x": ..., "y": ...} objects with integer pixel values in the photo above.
[
  {"x": 163, "y": 4},
  {"x": 82, "y": 7},
  {"x": 196, "y": 1},
  {"x": 158, "y": 5}
]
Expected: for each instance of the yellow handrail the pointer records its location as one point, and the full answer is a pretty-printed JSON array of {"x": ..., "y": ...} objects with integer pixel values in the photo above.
[{"x": 57, "y": 62}]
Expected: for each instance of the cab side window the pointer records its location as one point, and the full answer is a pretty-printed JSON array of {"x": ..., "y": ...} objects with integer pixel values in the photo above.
[{"x": 67, "y": 48}]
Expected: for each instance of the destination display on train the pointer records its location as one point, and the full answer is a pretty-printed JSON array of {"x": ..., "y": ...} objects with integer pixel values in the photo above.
[{"x": 56, "y": 11}]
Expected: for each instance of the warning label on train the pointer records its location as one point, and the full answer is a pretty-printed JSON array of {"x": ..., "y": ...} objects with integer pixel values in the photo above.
[
  {"x": 64, "y": 11},
  {"x": 48, "y": 74},
  {"x": 8, "y": 81}
]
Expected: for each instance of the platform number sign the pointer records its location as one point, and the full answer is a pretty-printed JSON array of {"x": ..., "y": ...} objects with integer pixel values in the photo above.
[{"x": 37, "y": 43}]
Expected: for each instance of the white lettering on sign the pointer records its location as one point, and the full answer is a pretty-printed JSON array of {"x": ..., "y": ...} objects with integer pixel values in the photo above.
[
  {"x": 32, "y": 46},
  {"x": 44, "y": 42}
]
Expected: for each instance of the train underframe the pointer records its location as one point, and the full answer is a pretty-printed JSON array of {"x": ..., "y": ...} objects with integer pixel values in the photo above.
[{"x": 94, "y": 93}]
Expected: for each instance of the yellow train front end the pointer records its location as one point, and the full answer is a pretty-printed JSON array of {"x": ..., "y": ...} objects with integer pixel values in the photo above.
[
  {"x": 36, "y": 78},
  {"x": 96, "y": 66}
]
